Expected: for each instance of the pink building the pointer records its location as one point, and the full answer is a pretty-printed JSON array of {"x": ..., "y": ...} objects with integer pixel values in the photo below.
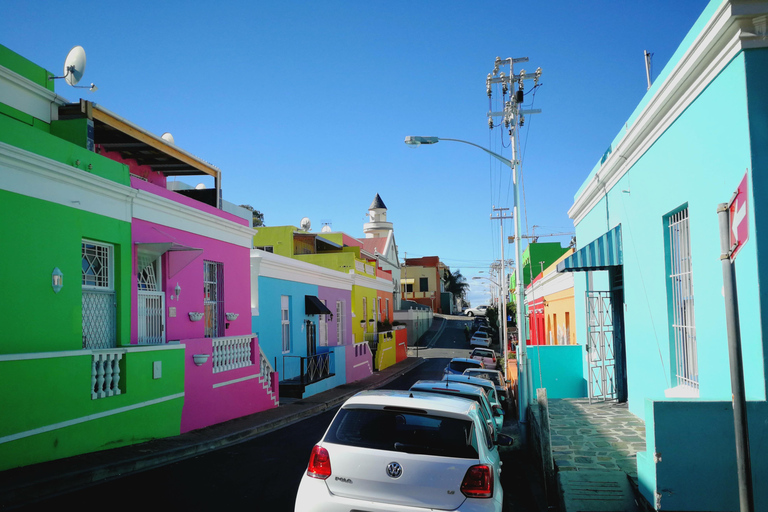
[{"x": 191, "y": 279}]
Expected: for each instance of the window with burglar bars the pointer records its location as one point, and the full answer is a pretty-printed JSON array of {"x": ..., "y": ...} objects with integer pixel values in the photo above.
[
  {"x": 213, "y": 301},
  {"x": 151, "y": 301},
  {"x": 99, "y": 301},
  {"x": 322, "y": 328},
  {"x": 285, "y": 321},
  {"x": 680, "y": 284},
  {"x": 339, "y": 322}
]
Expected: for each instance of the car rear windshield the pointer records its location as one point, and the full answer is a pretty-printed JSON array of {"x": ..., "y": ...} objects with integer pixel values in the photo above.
[
  {"x": 460, "y": 366},
  {"x": 398, "y": 430},
  {"x": 493, "y": 377}
]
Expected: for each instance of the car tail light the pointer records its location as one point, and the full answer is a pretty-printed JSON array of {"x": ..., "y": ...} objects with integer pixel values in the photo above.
[
  {"x": 319, "y": 463},
  {"x": 478, "y": 482}
]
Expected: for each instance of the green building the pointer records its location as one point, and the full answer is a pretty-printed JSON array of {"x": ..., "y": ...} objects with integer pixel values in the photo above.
[{"x": 70, "y": 382}]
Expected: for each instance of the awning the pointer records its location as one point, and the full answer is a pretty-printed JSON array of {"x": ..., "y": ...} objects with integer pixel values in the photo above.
[
  {"x": 314, "y": 306},
  {"x": 600, "y": 254},
  {"x": 180, "y": 257},
  {"x": 114, "y": 133}
]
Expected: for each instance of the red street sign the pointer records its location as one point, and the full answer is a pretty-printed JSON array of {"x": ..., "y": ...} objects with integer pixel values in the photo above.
[{"x": 739, "y": 218}]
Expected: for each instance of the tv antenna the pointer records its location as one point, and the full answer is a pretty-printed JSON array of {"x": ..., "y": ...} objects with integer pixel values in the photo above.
[{"x": 74, "y": 67}]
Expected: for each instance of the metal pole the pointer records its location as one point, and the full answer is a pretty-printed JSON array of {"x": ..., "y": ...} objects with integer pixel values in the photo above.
[
  {"x": 743, "y": 463},
  {"x": 503, "y": 291},
  {"x": 522, "y": 356},
  {"x": 503, "y": 297}
]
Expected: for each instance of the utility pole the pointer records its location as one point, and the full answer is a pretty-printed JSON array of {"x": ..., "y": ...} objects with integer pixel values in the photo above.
[
  {"x": 513, "y": 116},
  {"x": 503, "y": 294}
]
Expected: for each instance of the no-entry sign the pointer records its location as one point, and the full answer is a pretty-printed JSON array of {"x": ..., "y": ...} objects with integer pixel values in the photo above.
[{"x": 739, "y": 218}]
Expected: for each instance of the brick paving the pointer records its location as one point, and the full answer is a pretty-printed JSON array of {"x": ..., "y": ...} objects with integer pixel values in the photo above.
[{"x": 601, "y": 436}]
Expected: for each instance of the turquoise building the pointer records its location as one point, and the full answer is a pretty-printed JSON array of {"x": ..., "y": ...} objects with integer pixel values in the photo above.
[{"x": 648, "y": 277}]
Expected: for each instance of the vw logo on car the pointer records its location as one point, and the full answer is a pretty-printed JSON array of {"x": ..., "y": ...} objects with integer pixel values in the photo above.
[{"x": 394, "y": 470}]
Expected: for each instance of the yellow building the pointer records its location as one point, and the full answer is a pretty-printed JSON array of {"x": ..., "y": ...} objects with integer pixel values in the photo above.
[{"x": 551, "y": 307}]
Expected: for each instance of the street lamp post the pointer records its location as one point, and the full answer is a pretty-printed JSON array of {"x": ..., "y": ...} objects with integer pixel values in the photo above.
[
  {"x": 522, "y": 357},
  {"x": 495, "y": 293}
]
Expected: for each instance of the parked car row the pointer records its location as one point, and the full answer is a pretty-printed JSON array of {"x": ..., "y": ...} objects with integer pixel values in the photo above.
[
  {"x": 434, "y": 446},
  {"x": 483, "y": 363}
]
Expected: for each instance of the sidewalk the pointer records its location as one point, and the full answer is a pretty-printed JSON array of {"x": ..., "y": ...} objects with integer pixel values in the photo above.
[
  {"x": 29, "y": 484},
  {"x": 593, "y": 447}
]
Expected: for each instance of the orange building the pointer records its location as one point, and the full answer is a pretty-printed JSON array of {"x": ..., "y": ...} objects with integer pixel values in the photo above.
[
  {"x": 420, "y": 281},
  {"x": 551, "y": 307}
]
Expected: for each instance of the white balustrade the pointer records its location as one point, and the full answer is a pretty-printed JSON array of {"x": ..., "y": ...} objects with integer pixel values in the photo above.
[
  {"x": 232, "y": 352},
  {"x": 105, "y": 374},
  {"x": 266, "y": 369}
]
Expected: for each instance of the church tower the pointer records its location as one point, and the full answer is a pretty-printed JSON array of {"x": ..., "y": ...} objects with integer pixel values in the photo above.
[{"x": 377, "y": 227}]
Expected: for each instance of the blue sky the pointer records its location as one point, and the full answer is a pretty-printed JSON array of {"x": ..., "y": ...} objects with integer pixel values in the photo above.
[{"x": 304, "y": 105}]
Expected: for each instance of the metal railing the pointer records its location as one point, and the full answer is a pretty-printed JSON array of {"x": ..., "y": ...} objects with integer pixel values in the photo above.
[{"x": 312, "y": 368}]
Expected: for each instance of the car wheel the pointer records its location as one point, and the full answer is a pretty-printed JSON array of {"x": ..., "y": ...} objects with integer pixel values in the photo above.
[{"x": 469, "y": 313}]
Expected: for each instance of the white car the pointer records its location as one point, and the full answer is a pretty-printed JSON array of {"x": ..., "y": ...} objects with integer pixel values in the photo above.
[
  {"x": 404, "y": 451},
  {"x": 480, "y": 339},
  {"x": 478, "y": 311}
]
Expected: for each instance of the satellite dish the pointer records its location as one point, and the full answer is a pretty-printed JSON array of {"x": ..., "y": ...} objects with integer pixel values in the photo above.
[
  {"x": 167, "y": 137},
  {"x": 200, "y": 186},
  {"x": 74, "y": 65},
  {"x": 305, "y": 224},
  {"x": 326, "y": 229}
]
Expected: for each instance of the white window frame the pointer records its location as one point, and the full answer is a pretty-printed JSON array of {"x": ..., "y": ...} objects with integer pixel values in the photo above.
[
  {"x": 322, "y": 328},
  {"x": 340, "y": 306},
  {"x": 285, "y": 322},
  {"x": 151, "y": 301},
  {"x": 681, "y": 301},
  {"x": 214, "y": 306},
  {"x": 98, "y": 296},
  {"x": 110, "y": 275}
]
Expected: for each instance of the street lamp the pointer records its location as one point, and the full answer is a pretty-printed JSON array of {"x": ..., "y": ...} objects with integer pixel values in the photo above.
[
  {"x": 416, "y": 141},
  {"x": 522, "y": 357},
  {"x": 498, "y": 286}
]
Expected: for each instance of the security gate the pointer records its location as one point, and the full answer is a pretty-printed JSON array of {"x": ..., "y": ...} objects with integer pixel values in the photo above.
[
  {"x": 311, "y": 338},
  {"x": 601, "y": 348}
]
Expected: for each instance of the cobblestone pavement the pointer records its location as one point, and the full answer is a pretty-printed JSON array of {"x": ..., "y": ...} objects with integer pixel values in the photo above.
[{"x": 600, "y": 436}]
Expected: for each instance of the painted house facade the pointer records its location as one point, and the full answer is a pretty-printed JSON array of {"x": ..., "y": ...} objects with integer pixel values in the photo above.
[
  {"x": 311, "y": 346},
  {"x": 182, "y": 242},
  {"x": 422, "y": 282},
  {"x": 364, "y": 313},
  {"x": 128, "y": 336},
  {"x": 647, "y": 272},
  {"x": 72, "y": 380},
  {"x": 551, "y": 309}
]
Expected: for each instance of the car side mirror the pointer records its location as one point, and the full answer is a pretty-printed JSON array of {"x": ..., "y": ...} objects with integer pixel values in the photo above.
[
  {"x": 498, "y": 410},
  {"x": 504, "y": 440}
]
